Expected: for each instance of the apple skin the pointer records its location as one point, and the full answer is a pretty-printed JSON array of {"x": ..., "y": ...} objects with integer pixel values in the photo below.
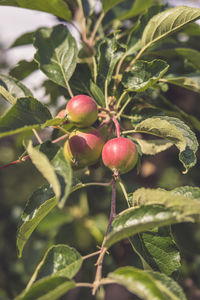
[
  {"x": 120, "y": 154},
  {"x": 82, "y": 111},
  {"x": 83, "y": 148}
]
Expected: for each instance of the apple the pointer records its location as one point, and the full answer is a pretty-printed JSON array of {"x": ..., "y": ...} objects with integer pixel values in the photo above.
[
  {"x": 82, "y": 111},
  {"x": 83, "y": 147},
  {"x": 120, "y": 155}
]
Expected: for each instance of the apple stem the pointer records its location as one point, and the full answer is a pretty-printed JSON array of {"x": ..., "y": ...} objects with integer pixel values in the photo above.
[{"x": 117, "y": 126}]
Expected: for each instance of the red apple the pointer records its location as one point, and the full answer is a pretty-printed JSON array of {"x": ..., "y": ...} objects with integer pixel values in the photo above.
[
  {"x": 82, "y": 111},
  {"x": 120, "y": 154},
  {"x": 83, "y": 148}
]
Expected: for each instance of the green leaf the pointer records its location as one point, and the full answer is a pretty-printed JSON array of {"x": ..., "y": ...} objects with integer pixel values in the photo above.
[
  {"x": 25, "y": 114},
  {"x": 108, "y": 56},
  {"x": 9, "y": 2},
  {"x": 176, "y": 206},
  {"x": 176, "y": 132},
  {"x": 14, "y": 87},
  {"x": 23, "y": 69},
  {"x": 147, "y": 285},
  {"x": 58, "y": 8},
  {"x": 56, "y": 53},
  {"x": 48, "y": 288},
  {"x": 7, "y": 95},
  {"x": 80, "y": 80},
  {"x": 167, "y": 22},
  {"x": 187, "y": 81},
  {"x": 97, "y": 93},
  {"x": 24, "y": 39},
  {"x": 152, "y": 147},
  {"x": 136, "y": 220},
  {"x": 134, "y": 42},
  {"x": 108, "y": 4},
  {"x": 59, "y": 260},
  {"x": 138, "y": 7},
  {"x": 191, "y": 55},
  {"x": 44, "y": 166},
  {"x": 157, "y": 249},
  {"x": 64, "y": 173},
  {"x": 39, "y": 205},
  {"x": 144, "y": 75},
  {"x": 184, "y": 199}
]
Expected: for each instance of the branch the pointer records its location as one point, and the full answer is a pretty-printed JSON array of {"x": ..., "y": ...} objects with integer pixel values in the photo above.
[
  {"x": 103, "y": 250},
  {"x": 117, "y": 126}
]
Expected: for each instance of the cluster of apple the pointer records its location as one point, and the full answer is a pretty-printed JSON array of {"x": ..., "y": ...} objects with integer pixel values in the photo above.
[{"x": 85, "y": 144}]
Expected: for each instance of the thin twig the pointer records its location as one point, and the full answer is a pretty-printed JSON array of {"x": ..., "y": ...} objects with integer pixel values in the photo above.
[
  {"x": 60, "y": 138},
  {"x": 103, "y": 250},
  {"x": 124, "y": 192},
  {"x": 23, "y": 159},
  {"x": 91, "y": 255},
  {"x": 117, "y": 126},
  {"x": 69, "y": 89},
  {"x": 121, "y": 98},
  {"x": 123, "y": 107},
  {"x": 37, "y": 136},
  {"x": 91, "y": 39},
  {"x": 95, "y": 68},
  {"x": 106, "y": 93}
]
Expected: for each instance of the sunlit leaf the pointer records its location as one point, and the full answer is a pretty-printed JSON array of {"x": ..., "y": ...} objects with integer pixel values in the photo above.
[
  {"x": 56, "y": 53},
  {"x": 47, "y": 288},
  {"x": 25, "y": 114},
  {"x": 108, "y": 4},
  {"x": 147, "y": 285},
  {"x": 167, "y": 22},
  {"x": 14, "y": 87},
  {"x": 176, "y": 132},
  {"x": 144, "y": 75},
  {"x": 187, "y": 81},
  {"x": 59, "y": 260},
  {"x": 58, "y": 8},
  {"x": 39, "y": 205},
  {"x": 152, "y": 147}
]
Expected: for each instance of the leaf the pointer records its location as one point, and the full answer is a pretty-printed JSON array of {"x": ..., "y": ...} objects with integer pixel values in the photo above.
[
  {"x": 157, "y": 249},
  {"x": 176, "y": 132},
  {"x": 108, "y": 56},
  {"x": 23, "y": 69},
  {"x": 25, "y": 114},
  {"x": 39, "y": 205},
  {"x": 134, "y": 42},
  {"x": 184, "y": 199},
  {"x": 56, "y": 7},
  {"x": 56, "y": 53},
  {"x": 59, "y": 260},
  {"x": 136, "y": 220},
  {"x": 44, "y": 166},
  {"x": 167, "y": 22},
  {"x": 152, "y": 147},
  {"x": 138, "y": 7},
  {"x": 24, "y": 39},
  {"x": 147, "y": 285},
  {"x": 63, "y": 170},
  {"x": 191, "y": 55},
  {"x": 176, "y": 206},
  {"x": 144, "y": 75},
  {"x": 7, "y": 95},
  {"x": 80, "y": 80},
  {"x": 48, "y": 288},
  {"x": 14, "y": 87},
  {"x": 108, "y": 4},
  {"x": 97, "y": 93},
  {"x": 187, "y": 81}
]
